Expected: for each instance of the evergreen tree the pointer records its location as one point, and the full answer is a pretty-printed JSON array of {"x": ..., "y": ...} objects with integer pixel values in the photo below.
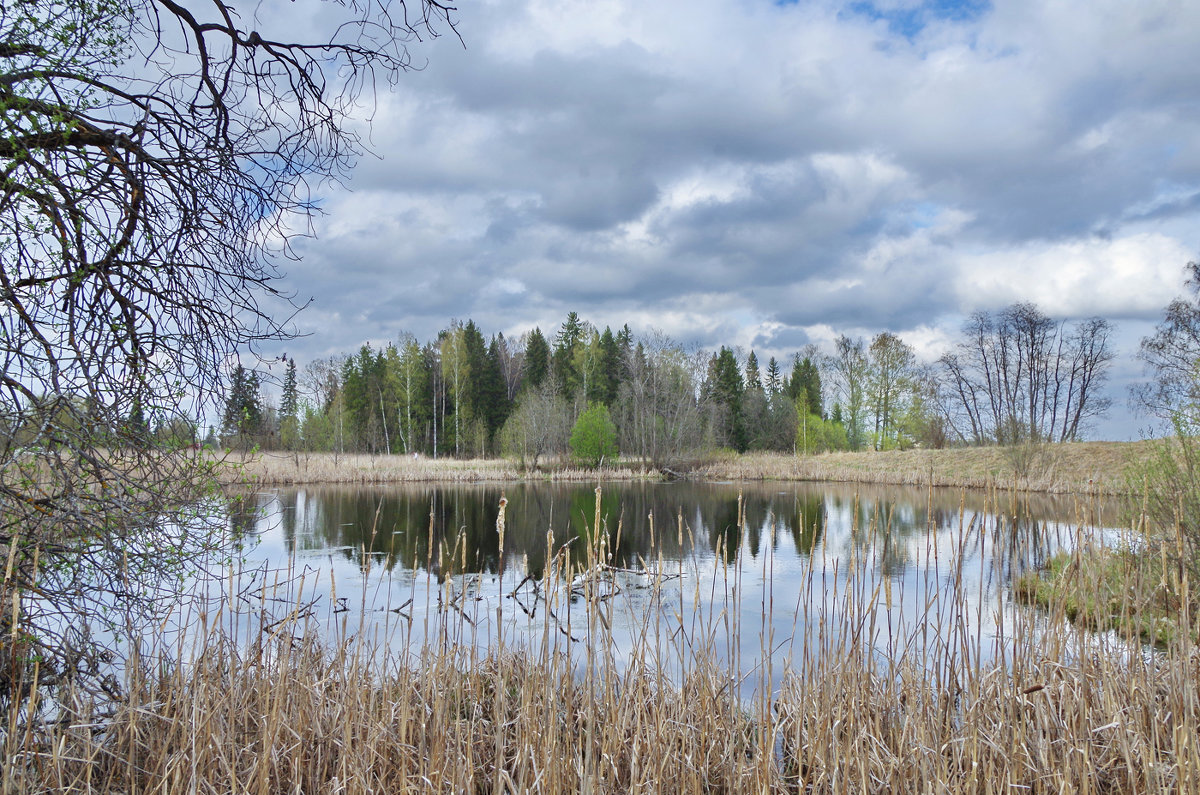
[
  {"x": 474, "y": 403},
  {"x": 727, "y": 391},
  {"x": 624, "y": 340},
  {"x": 242, "y": 419},
  {"x": 804, "y": 387},
  {"x": 753, "y": 377},
  {"x": 289, "y": 404},
  {"x": 289, "y": 408},
  {"x": 537, "y": 358},
  {"x": 774, "y": 383},
  {"x": 607, "y": 381},
  {"x": 566, "y": 349},
  {"x": 493, "y": 392},
  {"x": 452, "y": 352}
]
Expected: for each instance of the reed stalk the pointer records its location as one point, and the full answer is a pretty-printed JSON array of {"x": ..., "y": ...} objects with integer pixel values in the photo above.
[{"x": 868, "y": 702}]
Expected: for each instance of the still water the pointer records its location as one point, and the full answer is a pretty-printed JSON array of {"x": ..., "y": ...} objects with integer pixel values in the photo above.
[{"x": 757, "y": 574}]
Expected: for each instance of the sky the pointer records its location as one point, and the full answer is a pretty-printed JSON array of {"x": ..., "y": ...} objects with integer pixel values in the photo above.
[{"x": 767, "y": 175}]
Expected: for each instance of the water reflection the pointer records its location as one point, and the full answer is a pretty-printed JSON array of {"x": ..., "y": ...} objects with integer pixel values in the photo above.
[
  {"x": 769, "y": 559},
  {"x": 452, "y": 530}
]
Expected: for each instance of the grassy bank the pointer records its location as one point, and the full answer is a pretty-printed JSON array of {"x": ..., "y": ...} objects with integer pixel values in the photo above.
[
  {"x": 1078, "y": 468},
  {"x": 281, "y": 469},
  {"x": 1101, "y": 589},
  {"x": 1073, "y": 468},
  {"x": 865, "y": 706}
]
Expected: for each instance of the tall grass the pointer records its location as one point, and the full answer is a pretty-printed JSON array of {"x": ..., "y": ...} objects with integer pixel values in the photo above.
[
  {"x": 866, "y": 705},
  {"x": 1093, "y": 468},
  {"x": 1072, "y": 468},
  {"x": 279, "y": 468}
]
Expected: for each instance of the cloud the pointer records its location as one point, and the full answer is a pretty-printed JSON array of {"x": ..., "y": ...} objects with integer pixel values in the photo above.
[
  {"x": 1130, "y": 277},
  {"x": 770, "y": 175}
]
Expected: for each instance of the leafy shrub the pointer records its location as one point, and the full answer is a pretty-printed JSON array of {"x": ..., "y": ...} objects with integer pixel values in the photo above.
[{"x": 594, "y": 437}]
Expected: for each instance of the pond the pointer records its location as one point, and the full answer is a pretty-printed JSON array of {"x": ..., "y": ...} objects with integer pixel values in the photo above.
[{"x": 759, "y": 575}]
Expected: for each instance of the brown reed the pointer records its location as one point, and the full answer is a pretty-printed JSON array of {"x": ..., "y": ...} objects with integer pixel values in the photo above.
[{"x": 1045, "y": 709}]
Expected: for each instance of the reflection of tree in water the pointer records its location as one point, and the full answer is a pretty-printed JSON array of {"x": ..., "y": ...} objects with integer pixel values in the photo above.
[
  {"x": 453, "y": 529},
  {"x": 724, "y": 530},
  {"x": 807, "y": 521},
  {"x": 754, "y": 516},
  {"x": 1020, "y": 543},
  {"x": 244, "y": 512}
]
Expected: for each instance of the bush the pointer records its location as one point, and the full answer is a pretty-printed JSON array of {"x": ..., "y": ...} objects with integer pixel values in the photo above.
[
  {"x": 1168, "y": 487},
  {"x": 594, "y": 437}
]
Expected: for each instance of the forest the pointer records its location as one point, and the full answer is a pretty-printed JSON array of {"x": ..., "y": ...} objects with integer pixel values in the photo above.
[{"x": 1014, "y": 376}]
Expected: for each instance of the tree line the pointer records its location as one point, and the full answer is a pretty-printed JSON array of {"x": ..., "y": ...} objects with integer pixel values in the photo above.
[{"x": 1015, "y": 375}]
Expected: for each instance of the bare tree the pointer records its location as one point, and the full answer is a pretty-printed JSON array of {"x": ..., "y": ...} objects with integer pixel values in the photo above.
[
  {"x": 512, "y": 364},
  {"x": 1018, "y": 376},
  {"x": 658, "y": 412},
  {"x": 1171, "y": 354},
  {"x": 156, "y": 156},
  {"x": 539, "y": 426}
]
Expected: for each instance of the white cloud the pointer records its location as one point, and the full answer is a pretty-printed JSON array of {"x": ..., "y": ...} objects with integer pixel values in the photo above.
[
  {"x": 1133, "y": 276},
  {"x": 746, "y": 172}
]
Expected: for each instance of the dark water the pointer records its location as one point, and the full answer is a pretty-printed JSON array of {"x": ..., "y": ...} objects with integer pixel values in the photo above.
[{"x": 760, "y": 570}]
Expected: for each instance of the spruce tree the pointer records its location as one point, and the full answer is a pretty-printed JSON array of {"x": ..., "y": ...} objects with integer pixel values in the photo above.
[
  {"x": 537, "y": 358},
  {"x": 728, "y": 389},
  {"x": 753, "y": 377},
  {"x": 289, "y": 403},
  {"x": 774, "y": 384},
  {"x": 608, "y": 376}
]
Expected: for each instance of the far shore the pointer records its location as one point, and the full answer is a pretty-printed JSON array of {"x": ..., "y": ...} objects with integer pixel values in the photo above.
[{"x": 1073, "y": 468}]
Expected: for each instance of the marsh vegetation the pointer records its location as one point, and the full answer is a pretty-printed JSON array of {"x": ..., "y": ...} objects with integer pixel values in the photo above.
[{"x": 261, "y": 696}]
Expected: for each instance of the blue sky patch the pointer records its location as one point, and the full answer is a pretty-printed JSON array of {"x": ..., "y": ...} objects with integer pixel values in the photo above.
[{"x": 909, "y": 21}]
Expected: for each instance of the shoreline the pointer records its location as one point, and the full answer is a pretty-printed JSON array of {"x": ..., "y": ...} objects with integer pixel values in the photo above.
[{"x": 1091, "y": 468}]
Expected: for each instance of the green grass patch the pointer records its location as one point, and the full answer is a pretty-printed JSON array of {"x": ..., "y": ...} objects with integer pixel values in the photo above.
[{"x": 1136, "y": 593}]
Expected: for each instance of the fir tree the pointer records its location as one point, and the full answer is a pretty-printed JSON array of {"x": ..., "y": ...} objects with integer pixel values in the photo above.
[{"x": 608, "y": 375}]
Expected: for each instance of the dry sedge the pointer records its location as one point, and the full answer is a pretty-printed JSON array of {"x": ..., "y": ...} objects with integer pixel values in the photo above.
[
  {"x": 274, "y": 468},
  {"x": 937, "y": 706},
  {"x": 1071, "y": 468},
  {"x": 1076, "y": 468}
]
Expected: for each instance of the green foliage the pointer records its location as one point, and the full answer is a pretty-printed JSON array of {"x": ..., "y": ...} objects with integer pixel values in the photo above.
[
  {"x": 1167, "y": 485},
  {"x": 537, "y": 358},
  {"x": 606, "y": 382},
  {"x": 568, "y": 345},
  {"x": 815, "y": 434},
  {"x": 289, "y": 403},
  {"x": 1109, "y": 589},
  {"x": 594, "y": 437},
  {"x": 243, "y": 417},
  {"x": 726, "y": 388}
]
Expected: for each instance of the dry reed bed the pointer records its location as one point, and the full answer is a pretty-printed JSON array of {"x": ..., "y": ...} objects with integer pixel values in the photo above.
[
  {"x": 281, "y": 469},
  {"x": 869, "y": 707},
  {"x": 286, "y": 717},
  {"x": 1078, "y": 467}
]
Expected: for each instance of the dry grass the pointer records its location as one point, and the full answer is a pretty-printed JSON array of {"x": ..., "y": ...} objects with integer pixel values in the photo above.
[
  {"x": 1077, "y": 468},
  {"x": 935, "y": 707},
  {"x": 282, "y": 469}
]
